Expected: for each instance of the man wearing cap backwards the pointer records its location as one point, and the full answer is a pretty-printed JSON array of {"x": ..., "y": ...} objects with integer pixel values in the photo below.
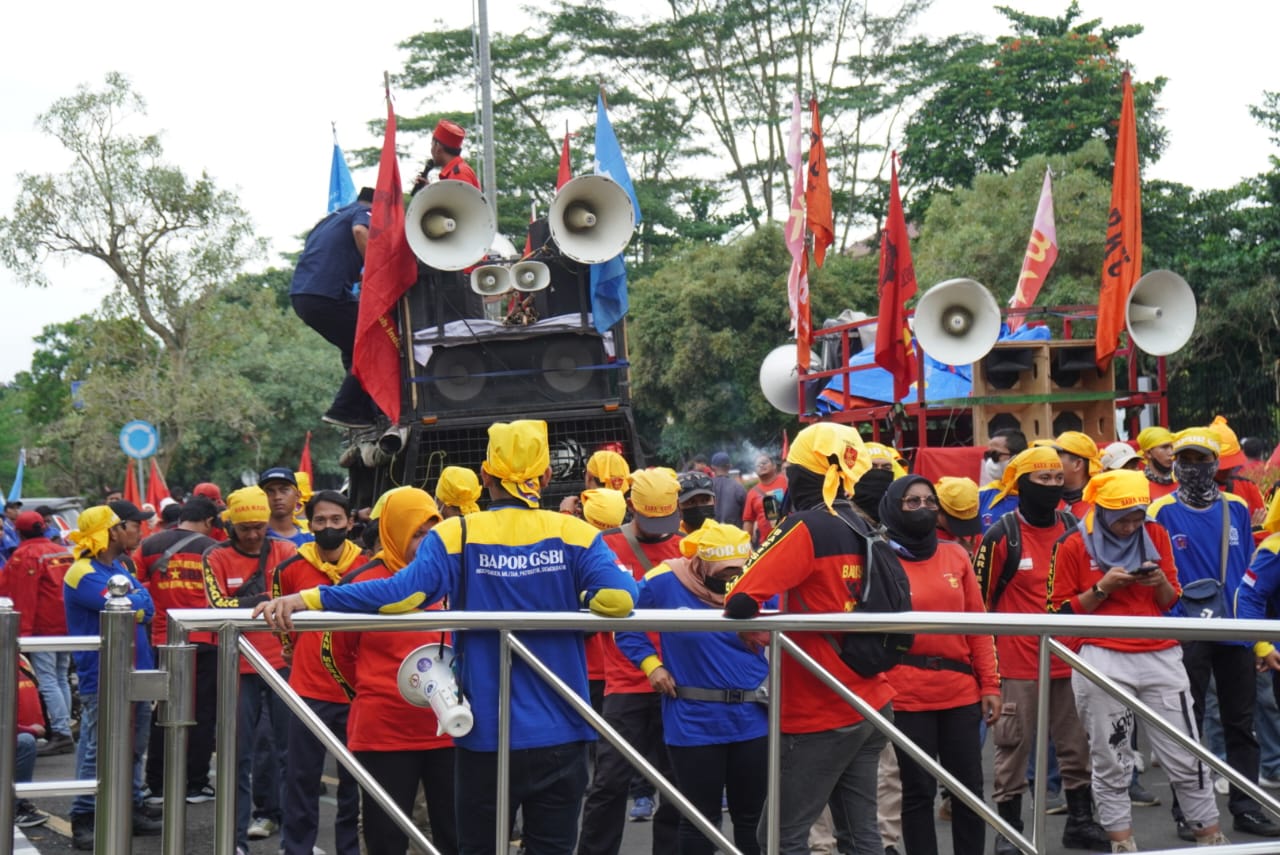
[
  {"x": 697, "y": 500},
  {"x": 238, "y": 574},
  {"x": 813, "y": 560},
  {"x": 281, "y": 487},
  {"x": 446, "y": 153},
  {"x": 104, "y": 536},
  {"x": 1116, "y": 563},
  {"x": 764, "y": 500},
  {"x": 1035, "y": 477},
  {"x": 1156, "y": 443},
  {"x": 1001, "y": 448},
  {"x": 1210, "y": 534},
  {"x": 332, "y": 261},
  {"x": 34, "y": 577},
  {"x": 512, "y": 557},
  {"x": 630, "y": 703}
]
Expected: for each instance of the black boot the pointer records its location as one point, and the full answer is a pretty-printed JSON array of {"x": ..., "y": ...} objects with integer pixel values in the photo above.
[
  {"x": 1081, "y": 831},
  {"x": 1010, "y": 812},
  {"x": 82, "y": 831}
]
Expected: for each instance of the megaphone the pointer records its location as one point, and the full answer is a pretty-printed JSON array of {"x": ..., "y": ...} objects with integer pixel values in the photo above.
[
  {"x": 780, "y": 377},
  {"x": 591, "y": 219},
  {"x": 449, "y": 225},
  {"x": 489, "y": 280},
  {"x": 957, "y": 321},
  {"x": 426, "y": 679},
  {"x": 530, "y": 276},
  {"x": 1161, "y": 313}
]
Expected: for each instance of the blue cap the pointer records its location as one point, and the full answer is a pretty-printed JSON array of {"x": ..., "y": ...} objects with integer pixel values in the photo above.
[{"x": 278, "y": 473}]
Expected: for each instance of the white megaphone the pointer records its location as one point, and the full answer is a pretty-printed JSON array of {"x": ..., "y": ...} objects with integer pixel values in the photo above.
[
  {"x": 591, "y": 219},
  {"x": 1161, "y": 313},
  {"x": 426, "y": 679},
  {"x": 449, "y": 225},
  {"x": 780, "y": 377},
  {"x": 530, "y": 276},
  {"x": 957, "y": 321},
  {"x": 489, "y": 280}
]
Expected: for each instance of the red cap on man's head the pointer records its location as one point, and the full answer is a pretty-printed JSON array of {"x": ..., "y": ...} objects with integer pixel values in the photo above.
[
  {"x": 209, "y": 491},
  {"x": 449, "y": 134},
  {"x": 28, "y": 523}
]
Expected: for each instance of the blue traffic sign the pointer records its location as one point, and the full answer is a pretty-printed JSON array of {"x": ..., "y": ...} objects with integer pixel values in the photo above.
[{"x": 139, "y": 439}]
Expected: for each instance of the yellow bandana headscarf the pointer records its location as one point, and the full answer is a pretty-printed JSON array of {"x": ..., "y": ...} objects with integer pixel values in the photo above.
[
  {"x": 834, "y": 451},
  {"x": 404, "y": 511},
  {"x": 247, "y": 505},
  {"x": 717, "y": 542},
  {"x": 1272, "y": 522},
  {"x": 603, "y": 508},
  {"x": 1154, "y": 437},
  {"x": 1033, "y": 459},
  {"x": 460, "y": 488},
  {"x": 93, "y": 530},
  {"x": 611, "y": 469},
  {"x": 1115, "y": 490},
  {"x": 880, "y": 451},
  {"x": 518, "y": 458},
  {"x": 1081, "y": 445}
]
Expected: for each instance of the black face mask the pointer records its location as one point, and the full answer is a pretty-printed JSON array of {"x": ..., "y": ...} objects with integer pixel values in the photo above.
[
  {"x": 1038, "y": 502},
  {"x": 918, "y": 523},
  {"x": 694, "y": 517},
  {"x": 716, "y": 586},
  {"x": 330, "y": 538}
]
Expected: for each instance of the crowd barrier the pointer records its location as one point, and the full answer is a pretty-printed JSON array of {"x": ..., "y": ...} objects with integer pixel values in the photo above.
[{"x": 171, "y": 685}]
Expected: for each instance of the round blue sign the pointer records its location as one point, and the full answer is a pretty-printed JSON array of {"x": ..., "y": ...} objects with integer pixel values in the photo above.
[{"x": 139, "y": 439}]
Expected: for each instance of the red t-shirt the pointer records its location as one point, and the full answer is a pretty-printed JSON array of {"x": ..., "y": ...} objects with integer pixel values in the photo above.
[
  {"x": 620, "y": 676},
  {"x": 181, "y": 584},
  {"x": 380, "y": 718},
  {"x": 1075, "y": 572},
  {"x": 312, "y": 656},
  {"x": 754, "y": 511},
  {"x": 459, "y": 170},
  {"x": 1026, "y": 593},
  {"x": 945, "y": 583},
  {"x": 226, "y": 570}
]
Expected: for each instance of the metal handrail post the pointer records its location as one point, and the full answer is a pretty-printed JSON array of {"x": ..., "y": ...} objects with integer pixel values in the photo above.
[
  {"x": 224, "y": 805},
  {"x": 175, "y": 714},
  {"x": 9, "y": 621},
  {"x": 113, "y": 807},
  {"x": 773, "y": 769},
  {"x": 502, "y": 822},
  {"x": 1040, "y": 786}
]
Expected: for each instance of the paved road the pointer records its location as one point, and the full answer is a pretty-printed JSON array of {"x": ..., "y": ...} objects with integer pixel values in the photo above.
[{"x": 1153, "y": 828}]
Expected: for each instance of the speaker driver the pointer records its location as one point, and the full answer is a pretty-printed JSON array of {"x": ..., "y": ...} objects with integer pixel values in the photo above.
[
  {"x": 457, "y": 371},
  {"x": 559, "y": 364}
]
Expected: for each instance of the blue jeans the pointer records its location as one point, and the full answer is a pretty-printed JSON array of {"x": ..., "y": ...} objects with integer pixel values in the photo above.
[
  {"x": 24, "y": 767},
  {"x": 87, "y": 749},
  {"x": 55, "y": 688},
  {"x": 836, "y": 767},
  {"x": 547, "y": 783},
  {"x": 257, "y": 700}
]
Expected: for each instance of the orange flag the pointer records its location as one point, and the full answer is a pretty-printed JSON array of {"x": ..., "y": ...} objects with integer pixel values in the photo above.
[
  {"x": 817, "y": 194},
  {"x": 1122, "y": 261},
  {"x": 389, "y": 270},
  {"x": 894, "y": 352}
]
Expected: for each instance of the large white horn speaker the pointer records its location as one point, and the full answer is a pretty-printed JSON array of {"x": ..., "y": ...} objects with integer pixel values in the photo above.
[
  {"x": 591, "y": 219},
  {"x": 449, "y": 225},
  {"x": 1161, "y": 313},
  {"x": 530, "y": 276},
  {"x": 957, "y": 321},
  {"x": 780, "y": 377},
  {"x": 489, "y": 280}
]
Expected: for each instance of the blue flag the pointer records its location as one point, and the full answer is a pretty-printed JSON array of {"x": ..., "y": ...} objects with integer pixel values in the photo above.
[
  {"x": 341, "y": 189},
  {"x": 15, "y": 492},
  {"x": 609, "y": 279}
]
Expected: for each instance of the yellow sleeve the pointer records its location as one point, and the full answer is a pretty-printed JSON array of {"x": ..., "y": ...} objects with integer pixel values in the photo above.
[
  {"x": 650, "y": 664},
  {"x": 311, "y": 596}
]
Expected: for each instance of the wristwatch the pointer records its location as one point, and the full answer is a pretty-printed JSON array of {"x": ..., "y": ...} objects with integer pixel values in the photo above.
[{"x": 1098, "y": 592}]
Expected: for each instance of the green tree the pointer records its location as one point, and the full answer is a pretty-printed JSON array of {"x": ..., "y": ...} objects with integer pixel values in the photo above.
[{"x": 1046, "y": 88}]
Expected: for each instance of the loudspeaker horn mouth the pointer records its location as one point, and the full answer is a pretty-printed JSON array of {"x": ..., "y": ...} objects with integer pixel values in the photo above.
[{"x": 957, "y": 320}]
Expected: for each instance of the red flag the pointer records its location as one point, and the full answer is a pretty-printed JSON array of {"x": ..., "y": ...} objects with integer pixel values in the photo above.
[
  {"x": 304, "y": 465},
  {"x": 817, "y": 195},
  {"x": 894, "y": 352},
  {"x": 157, "y": 490},
  {"x": 389, "y": 270},
  {"x": 1042, "y": 252},
  {"x": 1122, "y": 261},
  {"x": 565, "y": 174},
  {"x": 131, "y": 491}
]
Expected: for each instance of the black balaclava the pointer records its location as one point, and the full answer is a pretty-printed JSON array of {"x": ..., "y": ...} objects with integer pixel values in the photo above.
[
  {"x": 870, "y": 489},
  {"x": 1038, "y": 502},
  {"x": 915, "y": 531}
]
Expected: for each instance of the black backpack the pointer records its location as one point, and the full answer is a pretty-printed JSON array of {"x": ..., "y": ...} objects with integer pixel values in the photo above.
[
  {"x": 1009, "y": 527},
  {"x": 885, "y": 588}
]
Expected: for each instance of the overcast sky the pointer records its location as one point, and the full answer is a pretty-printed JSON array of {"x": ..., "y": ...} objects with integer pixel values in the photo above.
[{"x": 247, "y": 92}]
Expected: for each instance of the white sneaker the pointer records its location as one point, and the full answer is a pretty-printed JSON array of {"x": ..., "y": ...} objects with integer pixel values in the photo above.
[
  {"x": 1215, "y": 839},
  {"x": 1269, "y": 783},
  {"x": 1128, "y": 845},
  {"x": 1221, "y": 786},
  {"x": 262, "y": 828}
]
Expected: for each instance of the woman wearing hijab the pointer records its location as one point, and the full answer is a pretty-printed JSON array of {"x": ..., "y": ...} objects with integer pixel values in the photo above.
[
  {"x": 1118, "y": 563},
  {"x": 394, "y": 740},
  {"x": 714, "y": 716},
  {"x": 1012, "y": 565},
  {"x": 946, "y": 684}
]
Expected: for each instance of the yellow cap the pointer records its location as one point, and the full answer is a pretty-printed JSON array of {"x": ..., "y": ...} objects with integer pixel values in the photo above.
[
  {"x": 716, "y": 542},
  {"x": 1079, "y": 444},
  {"x": 655, "y": 497},
  {"x": 1035, "y": 459},
  {"x": 1201, "y": 438},
  {"x": 603, "y": 508},
  {"x": 1154, "y": 437},
  {"x": 247, "y": 505},
  {"x": 611, "y": 469},
  {"x": 459, "y": 487},
  {"x": 834, "y": 451},
  {"x": 1231, "y": 454},
  {"x": 93, "y": 530},
  {"x": 518, "y": 457},
  {"x": 958, "y": 496}
]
